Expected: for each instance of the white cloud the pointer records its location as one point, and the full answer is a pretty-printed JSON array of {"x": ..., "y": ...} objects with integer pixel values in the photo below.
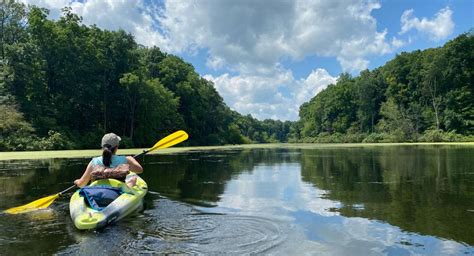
[
  {"x": 215, "y": 62},
  {"x": 54, "y": 6},
  {"x": 317, "y": 81},
  {"x": 397, "y": 43},
  {"x": 277, "y": 95},
  {"x": 251, "y": 36},
  {"x": 132, "y": 16},
  {"x": 440, "y": 27}
]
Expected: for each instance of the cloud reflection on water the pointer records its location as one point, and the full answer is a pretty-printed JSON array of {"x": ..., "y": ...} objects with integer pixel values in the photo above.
[{"x": 277, "y": 191}]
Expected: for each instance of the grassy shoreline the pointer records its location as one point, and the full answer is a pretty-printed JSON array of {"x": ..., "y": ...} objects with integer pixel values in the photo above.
[{"x": 22, "y": 155}]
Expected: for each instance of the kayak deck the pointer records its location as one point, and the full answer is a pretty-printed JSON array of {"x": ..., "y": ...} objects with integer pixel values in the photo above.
[{"x": 85, "y": 217}]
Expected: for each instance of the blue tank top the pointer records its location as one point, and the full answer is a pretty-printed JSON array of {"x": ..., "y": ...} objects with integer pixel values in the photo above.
[{"x": 116, "y": 160}]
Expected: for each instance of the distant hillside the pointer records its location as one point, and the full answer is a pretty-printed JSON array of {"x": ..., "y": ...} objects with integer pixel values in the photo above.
[{"x": 419, "y": 96}]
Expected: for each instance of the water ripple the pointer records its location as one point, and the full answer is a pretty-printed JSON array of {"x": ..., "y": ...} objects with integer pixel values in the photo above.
[{"x": 179, "y": 228}]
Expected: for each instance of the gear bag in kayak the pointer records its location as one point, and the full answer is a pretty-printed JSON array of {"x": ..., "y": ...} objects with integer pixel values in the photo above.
[{"x": 99, "y": 197}]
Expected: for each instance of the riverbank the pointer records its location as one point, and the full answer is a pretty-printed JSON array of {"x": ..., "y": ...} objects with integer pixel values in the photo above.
[{"x": 21, "y": 155}]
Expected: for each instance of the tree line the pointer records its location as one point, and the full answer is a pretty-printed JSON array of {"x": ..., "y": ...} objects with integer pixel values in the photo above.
[
  {"x": 418, "y": 96},
  {"x": 64, "y": 84}
]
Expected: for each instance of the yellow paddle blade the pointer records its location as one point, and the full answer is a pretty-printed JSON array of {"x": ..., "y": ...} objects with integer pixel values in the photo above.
[
  {"x": 35, "y": 205},
  {"x": 170, "y": 140}
]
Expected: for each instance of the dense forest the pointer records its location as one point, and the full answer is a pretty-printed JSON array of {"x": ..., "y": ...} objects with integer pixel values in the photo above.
[
  {"x": 64, "y": 84},
  {"x": 419, "y": 96}
]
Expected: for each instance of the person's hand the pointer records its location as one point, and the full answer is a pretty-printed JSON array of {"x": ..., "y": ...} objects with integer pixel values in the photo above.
[{"x": 77, "y": 183}]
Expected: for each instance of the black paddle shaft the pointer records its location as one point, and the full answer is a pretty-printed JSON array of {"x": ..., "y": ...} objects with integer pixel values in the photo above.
[
  {"x": 142, "y": 153},
  {"x": 67, "y": 189}
]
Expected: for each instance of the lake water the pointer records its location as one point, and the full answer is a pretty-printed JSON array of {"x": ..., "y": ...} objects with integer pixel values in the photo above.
[{"x": 383, "y": 200}]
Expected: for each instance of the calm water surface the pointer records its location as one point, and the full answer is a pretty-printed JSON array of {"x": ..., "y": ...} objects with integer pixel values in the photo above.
[{"x": 387, "y": 200}]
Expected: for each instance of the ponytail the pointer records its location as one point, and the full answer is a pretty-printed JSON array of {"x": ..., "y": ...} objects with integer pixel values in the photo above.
[{"x": 107, "y": 155}]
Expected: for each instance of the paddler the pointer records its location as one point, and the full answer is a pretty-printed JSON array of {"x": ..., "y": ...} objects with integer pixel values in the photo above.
[{"x": 110, "y": 165}]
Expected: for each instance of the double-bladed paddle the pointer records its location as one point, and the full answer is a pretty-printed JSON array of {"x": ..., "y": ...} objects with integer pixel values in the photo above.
[{"x": 166, "y": 142}]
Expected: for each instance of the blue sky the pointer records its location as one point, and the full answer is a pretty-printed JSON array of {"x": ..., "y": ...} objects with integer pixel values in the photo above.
[{"x": 268, "y": 57}]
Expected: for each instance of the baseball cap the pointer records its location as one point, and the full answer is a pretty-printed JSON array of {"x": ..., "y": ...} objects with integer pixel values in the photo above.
[{"x": 111, "y": 139}]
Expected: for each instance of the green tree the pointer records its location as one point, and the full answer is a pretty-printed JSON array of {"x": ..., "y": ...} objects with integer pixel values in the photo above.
[
  {"x": 157, "y": 113},
  {"x": 433, "y": 81},
  {"x": 131, "y": 84},
  {"x": 395, "y": 121},
  {"x": 369, "y": 92}
]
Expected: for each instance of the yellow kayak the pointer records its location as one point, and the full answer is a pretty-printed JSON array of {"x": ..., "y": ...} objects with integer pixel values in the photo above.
[{"x": 85, "y": 217}]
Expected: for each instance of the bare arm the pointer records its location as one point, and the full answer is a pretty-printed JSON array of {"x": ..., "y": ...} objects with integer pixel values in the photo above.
[
  {"x": 86, "y": 177},
  {"x": 134, "y": 165}
]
